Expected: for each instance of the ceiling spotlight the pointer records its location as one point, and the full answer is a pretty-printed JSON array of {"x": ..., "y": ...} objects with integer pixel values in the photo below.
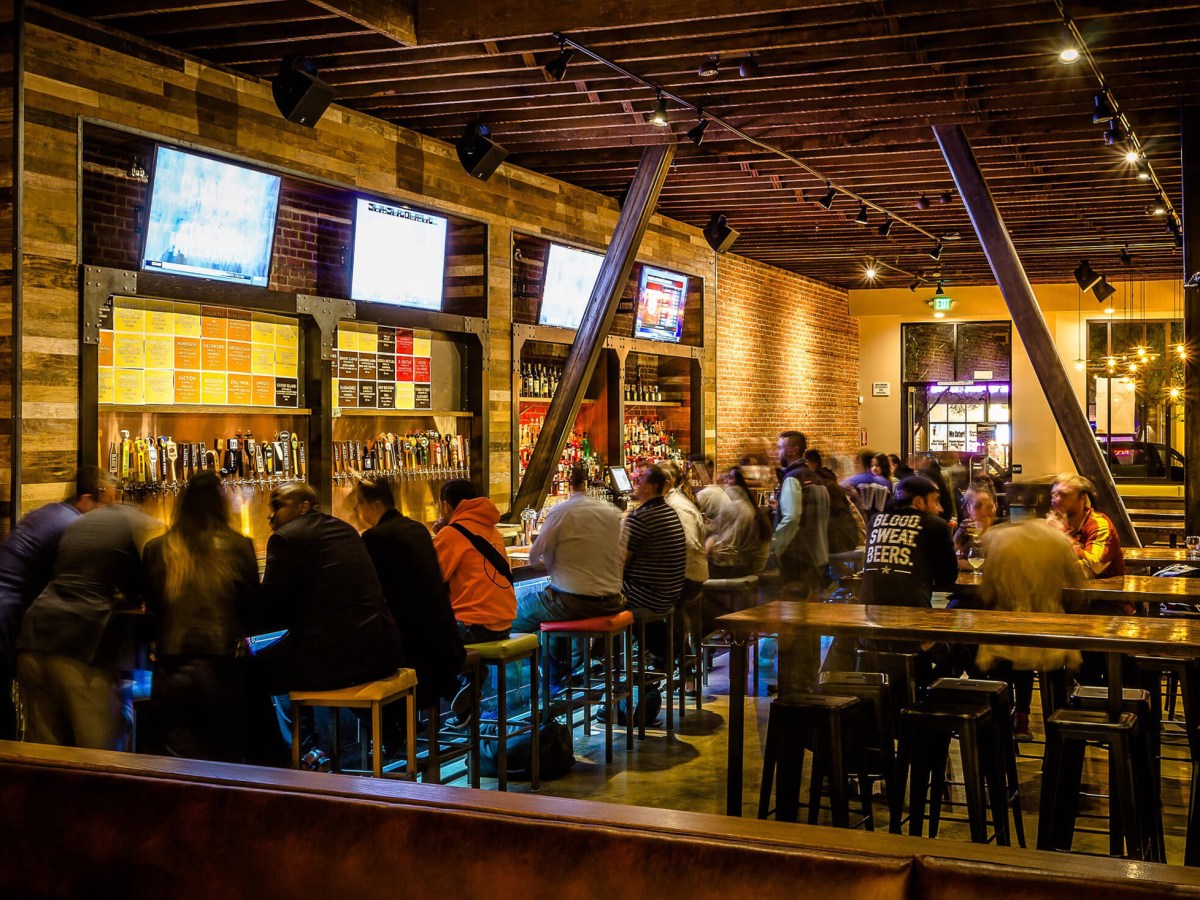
[
  {"x": 871, "y": 273},
  {"x": 923, "y": 202},
  {"x": 557, "y": 67},
  {"x": 938, "y": 314},
  {"x": 748, "y": 68},
  {"x": 1113, "y": 134},
  {"x": 1104, "y": 110},
  {"x": 936, "y": 251},
  {"x": 1158, "y": 208},
  {"x": 696, "y": 135},
  {"x": 718, "y": 234},
  {"x": 1103, "y": 290},
  {"x": 1143, "y": 171},
  {"x": 1132, "y": 156},
  {"x": 1173, "y": 225},
  {"x": 946, "y": 197},
  {"x": 1108, "y": 311},
  {"x": 827, "y": 201},
  {"x": 1085, "y": 276},
  {"x": 659, "y": 116},
  {"x": 861, "y": 218},
  {"x": 1125, "y": 257},
  {"x": 886, "y": 226},
  {"x": 1070, "y": 50},
  {"x": 913, "y": 287},
  {"x": 710, "y": 67}
]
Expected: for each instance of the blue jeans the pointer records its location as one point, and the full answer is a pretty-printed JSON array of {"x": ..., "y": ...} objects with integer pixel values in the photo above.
[{"x": 553, "y": 605}]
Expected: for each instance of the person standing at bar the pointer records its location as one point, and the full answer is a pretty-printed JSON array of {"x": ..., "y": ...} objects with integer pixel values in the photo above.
[
  {"x": 78, "y": 640},
  {"x": 679, "y": 499},
  {"x": 580, "y": 546},
  {"x": 407, "y": 565},
  {"x": 801, "y": 544},
  {"x": 26, "y": 565},
  {"x": 202, "y": 590}
]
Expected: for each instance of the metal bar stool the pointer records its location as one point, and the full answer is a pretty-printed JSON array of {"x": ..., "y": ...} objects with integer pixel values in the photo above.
[
  {"x": 642, "y": 618},
  {"x": 731, "y": 595},
  {"x": 374, "y": 695},
  {"x": 455, "y": 744},
  {"x": 502, "y": 654},
  {"x": 609, "y": 629},
  {"x": 689, "y": 632}
]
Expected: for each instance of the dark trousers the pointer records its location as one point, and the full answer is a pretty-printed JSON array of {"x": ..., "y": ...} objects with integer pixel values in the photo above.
[
  {"x": 477, "y": 634},
  {"x": 197, "y": 709},
  {"x": 553, "y": 605},
  {"x": 8, "y": 712}
]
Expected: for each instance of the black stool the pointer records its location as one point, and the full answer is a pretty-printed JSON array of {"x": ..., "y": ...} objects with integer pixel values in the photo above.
[
  {"x": 872, "y": 691},
  {"x": 446, "y": 744},
  {"x": 1146, "y": 765},
  {"x": 901, "y": 670},
  {"x": 926, "y": 731},
  {"x": 1067, "y": 734},
  {"x": 689, "y": 636},
  {"x": 995, "y": 695},
  {"x": 731, "y": 595},
  {"x": 831, "y": 726},
  {"x": 641, "y": 618}
]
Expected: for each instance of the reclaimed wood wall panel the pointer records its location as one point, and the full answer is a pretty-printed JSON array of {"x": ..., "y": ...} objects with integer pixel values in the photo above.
[{"x": 8, "y": 92}]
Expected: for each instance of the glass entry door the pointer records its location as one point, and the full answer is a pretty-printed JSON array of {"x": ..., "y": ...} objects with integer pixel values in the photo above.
[{"x": 965, "y": 419}]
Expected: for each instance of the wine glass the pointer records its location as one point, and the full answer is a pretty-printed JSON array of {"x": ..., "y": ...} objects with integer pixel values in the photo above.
[
  {"x": 975, "y": 558},
  {"x": 1193, "y": 545}
]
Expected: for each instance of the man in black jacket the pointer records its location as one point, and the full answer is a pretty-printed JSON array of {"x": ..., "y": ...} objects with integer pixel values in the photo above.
[
  {"x": 909, "y": 551},
  {"x": 320, "y": 585},
  {"x": 407, "y": 566}
]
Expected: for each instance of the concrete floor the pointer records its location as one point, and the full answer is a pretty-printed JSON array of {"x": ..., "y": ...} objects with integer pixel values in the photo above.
[{"x": 686, "y": 771}]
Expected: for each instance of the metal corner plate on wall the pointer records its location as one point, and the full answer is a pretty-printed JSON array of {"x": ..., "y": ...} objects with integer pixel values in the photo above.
[
  {"x": 327, "y": 312},
  {"x": 100, "y": 283}
]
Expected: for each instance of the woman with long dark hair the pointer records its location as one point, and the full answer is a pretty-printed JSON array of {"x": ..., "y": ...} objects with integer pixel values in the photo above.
[
  {"x": 202, "y": 590},
  {"x": 742, "y": 538}
]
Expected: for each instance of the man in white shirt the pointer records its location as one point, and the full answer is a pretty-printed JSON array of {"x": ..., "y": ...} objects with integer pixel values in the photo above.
[{"x": 580, "y": 546}]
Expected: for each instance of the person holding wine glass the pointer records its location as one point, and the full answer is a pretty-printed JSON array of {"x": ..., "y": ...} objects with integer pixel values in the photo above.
[{"x": 979, "y": 503}]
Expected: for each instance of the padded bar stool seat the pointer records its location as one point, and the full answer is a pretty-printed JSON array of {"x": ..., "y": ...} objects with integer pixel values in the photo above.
[
  {"x": 457, "y": 746},
  {"x": 501, "y": 654},
  {"x": 609, "y": 629},
  {"x": 373, "y": 695}
]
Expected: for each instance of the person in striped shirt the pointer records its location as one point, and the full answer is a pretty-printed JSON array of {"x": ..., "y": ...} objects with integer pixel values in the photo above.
[{"x": 655, "y": 550}]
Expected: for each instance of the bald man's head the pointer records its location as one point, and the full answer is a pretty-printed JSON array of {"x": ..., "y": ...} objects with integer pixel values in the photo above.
[{"x": 290, "y": 501}]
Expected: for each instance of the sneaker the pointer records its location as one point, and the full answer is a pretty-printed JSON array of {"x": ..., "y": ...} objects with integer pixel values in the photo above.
[
  {"x": 1021, "y": 728},
  {"x": 462, "y": 708},
  {"x": 315, "y": 760}
]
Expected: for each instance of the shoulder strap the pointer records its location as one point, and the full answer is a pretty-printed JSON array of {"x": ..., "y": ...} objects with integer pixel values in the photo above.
[{"x": 490, "y": 553}]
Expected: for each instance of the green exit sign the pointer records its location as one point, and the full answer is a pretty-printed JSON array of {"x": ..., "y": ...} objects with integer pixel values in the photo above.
[{"x": 942, "y": 304}]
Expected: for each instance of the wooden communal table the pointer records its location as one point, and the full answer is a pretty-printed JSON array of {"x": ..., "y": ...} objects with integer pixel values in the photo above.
[
  {"x": 1112, "y": 635},
  {"x": 1138, "y": 589},
  {"x": 1158, "y": 556}
]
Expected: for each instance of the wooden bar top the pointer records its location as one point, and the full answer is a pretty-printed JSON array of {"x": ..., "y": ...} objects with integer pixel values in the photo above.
[
  {"x": 1119, "y": 634},
  {"x": 1138, "y": 589},
  {"x": 1158, "y": 556}
]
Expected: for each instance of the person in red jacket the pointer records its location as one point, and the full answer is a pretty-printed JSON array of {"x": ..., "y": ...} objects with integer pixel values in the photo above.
[{"x": 471, "y": 554}]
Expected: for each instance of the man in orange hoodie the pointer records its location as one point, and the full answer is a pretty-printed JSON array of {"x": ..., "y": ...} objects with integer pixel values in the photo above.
[{"x": 471, "y": 554}]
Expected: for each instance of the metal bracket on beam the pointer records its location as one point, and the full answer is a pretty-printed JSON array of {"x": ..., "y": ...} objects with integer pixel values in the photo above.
[
  {"x": 99, "y": 284},
  {"x": 327, "y": 312}
]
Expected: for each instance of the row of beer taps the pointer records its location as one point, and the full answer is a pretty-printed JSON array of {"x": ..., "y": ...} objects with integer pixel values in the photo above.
[{"x": 414, "y": 456}]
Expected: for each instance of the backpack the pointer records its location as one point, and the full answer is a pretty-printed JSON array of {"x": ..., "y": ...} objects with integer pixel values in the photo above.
[
  {"x": 654, "y": 702},
  {"x": 556, "y": 757}
]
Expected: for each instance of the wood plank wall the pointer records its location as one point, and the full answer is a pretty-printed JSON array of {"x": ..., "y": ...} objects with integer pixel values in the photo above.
[
  {"x": 7, "y": 223},
  {"x": 75, "y": 69}
]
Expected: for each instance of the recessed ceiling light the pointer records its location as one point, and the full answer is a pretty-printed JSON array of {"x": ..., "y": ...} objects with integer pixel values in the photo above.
[
  {"x": 710, "y": 67},
  {"x": 1132, "y": 156}
]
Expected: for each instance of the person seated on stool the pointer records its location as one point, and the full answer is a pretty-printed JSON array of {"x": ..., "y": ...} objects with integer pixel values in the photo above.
[
  {"x": 473, "y": 561},
  {"x": 580, "y": 546},
  {"x": 321, "y": 586}
]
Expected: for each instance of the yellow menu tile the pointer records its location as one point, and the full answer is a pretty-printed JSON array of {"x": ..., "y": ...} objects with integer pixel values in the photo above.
[
  {"x": 285, "y": 361},
  {"x": 368, "y": 341},
  {"x": 213, "y": 388},
  {"x": 239, "y": 325},
  {"x": 160, "y": 353},
  {"x": 187, "y": 353},
  {"x": 333, "y": 393},
  {"x": 213, "y": 326},
  {"x": 287, "y": 334},
  {"x": 105, "y": 355},
  {"x": 128, "y": 320},
  {"x": 264, "y": 390},
  {"x": 347, "y": 337},
  {"x": 241, "y": 390},
  {"x": 160, "y": 317},
  {"x": 212, "y": 356},
  {"x": 422, "y": 343},
  {"x": 160, "y": 387},
  {"x": 239, "y": 356},
  {"x": 262, "y": 360},
  {"x": 406, "y": 395},
  {"x": 128, "y": 387},
  {"x": 262, "y": 332},
  {"x": 128, "y": 351},
  {"x": 187, "y": 387},
  {"x": 187, "y": 321},
  {"x": 105, "y": 386}
]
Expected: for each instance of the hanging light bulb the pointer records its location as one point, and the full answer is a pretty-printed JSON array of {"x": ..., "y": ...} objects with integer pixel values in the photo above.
[
  {"x": 1174, "y": 393},
  {"x": 1079, "y": 365},
  {"x": 1133, "y": 368},
  {"x": 1179, "y": 348}
]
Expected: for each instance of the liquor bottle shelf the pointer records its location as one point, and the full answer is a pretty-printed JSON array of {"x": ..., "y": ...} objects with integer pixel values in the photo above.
[
  {"x": 191, "y": 409},
  {"x": 545, "y": 400},
  {"x": 352, "y": 412},
  {"x": 670, "y": 403}
]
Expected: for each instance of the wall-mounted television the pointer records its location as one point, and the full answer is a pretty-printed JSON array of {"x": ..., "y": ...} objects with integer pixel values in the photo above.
[
  {"x": 662, "y": 297},
  {"x": 210, "y": 219},
  {"x": 567, "y": 284},
  {"x": 399, "y": 255}
]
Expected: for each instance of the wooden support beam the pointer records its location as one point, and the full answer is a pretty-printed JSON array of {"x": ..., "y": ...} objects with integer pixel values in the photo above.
[
  {"x": 594, "y": 326},
  {"x": 1031, "y": 326},
  {"x": 395, "y": 19},
  {"x": 1189, "y": 154}
]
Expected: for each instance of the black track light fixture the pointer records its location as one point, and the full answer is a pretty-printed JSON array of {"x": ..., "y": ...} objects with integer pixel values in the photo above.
[
  {"x": 946, "y": 197},
  {"x": 710, "y": 68},
  {"x": 1085, "y": 276},
  {"x": 830, "y": 195},
  {"x": 1104, "y": 110},
  {"x": 936, "y": 251},
  {"x": 747, "y": 67},
  {"x": 1125, "y": 257},
  {"x": 913, "y": 287},
  {"x": 886, "y": 226},
  {"x": 922, "y": 202},
  {"x": 1143, "y": 171},
  {"x": 659, "y": 116},
  {"x": 557, "y": 67},
  {"x": 861, "y": 218},
  {"x": 718, "y": 233},
  {"x": 1069, "y": 52},
  {"x": 1114, "y": 134},
  {"x": 1103, "y": 290},
  {"x": 696, "y": 134}
]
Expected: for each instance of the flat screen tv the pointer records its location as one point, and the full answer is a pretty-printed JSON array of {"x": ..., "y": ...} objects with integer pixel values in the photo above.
[
  {"x": 661, "y": 299},
  {"x": 567, "y": 284},
  {"x": 399, "y": 255},
  {"x": 210, "y": 218}
]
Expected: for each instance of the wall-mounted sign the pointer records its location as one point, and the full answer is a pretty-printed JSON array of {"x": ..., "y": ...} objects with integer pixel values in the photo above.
[
  {"x": 941, "y": 304},
  {"x": 381, "y": 367},
  {"x": 1016, "y": 468},
  {"x": 983, "y": 375},
  {"x": 881, "y": 389}
]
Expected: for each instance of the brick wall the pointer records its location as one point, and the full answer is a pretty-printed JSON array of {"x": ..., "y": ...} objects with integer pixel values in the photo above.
[{"x": 787, "y": 357}]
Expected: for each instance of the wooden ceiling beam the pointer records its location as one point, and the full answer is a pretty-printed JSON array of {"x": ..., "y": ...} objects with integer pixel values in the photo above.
[{"x": 393, "y": 19}]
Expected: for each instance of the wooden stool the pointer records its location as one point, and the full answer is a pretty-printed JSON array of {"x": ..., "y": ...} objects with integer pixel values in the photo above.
[
  {"x": 374, "y": 695},
  {"x": 608, "y": 628},
  {"x": 502, "y": 654},
  {"x": 457, "y": 746},
  {"x": 642, "y": 618}
]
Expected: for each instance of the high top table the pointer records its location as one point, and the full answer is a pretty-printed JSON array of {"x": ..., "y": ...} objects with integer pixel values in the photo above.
[
  {"x": 1136, "y": 589},
  {"x": 1114, "y": 636},
  {"x": 1157, "y": 555}
]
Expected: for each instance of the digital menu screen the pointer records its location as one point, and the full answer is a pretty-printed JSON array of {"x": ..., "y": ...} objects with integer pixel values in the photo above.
[
  {"x": 567, "y": 285},
  {"x": 661, "y": 300}
]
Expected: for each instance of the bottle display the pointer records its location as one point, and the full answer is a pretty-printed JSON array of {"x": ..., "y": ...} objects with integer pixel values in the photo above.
[
  {"x": 540, "y": 380},
  {"x": 649, "y": 440},
  {"x": 578, "y": 448}
]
